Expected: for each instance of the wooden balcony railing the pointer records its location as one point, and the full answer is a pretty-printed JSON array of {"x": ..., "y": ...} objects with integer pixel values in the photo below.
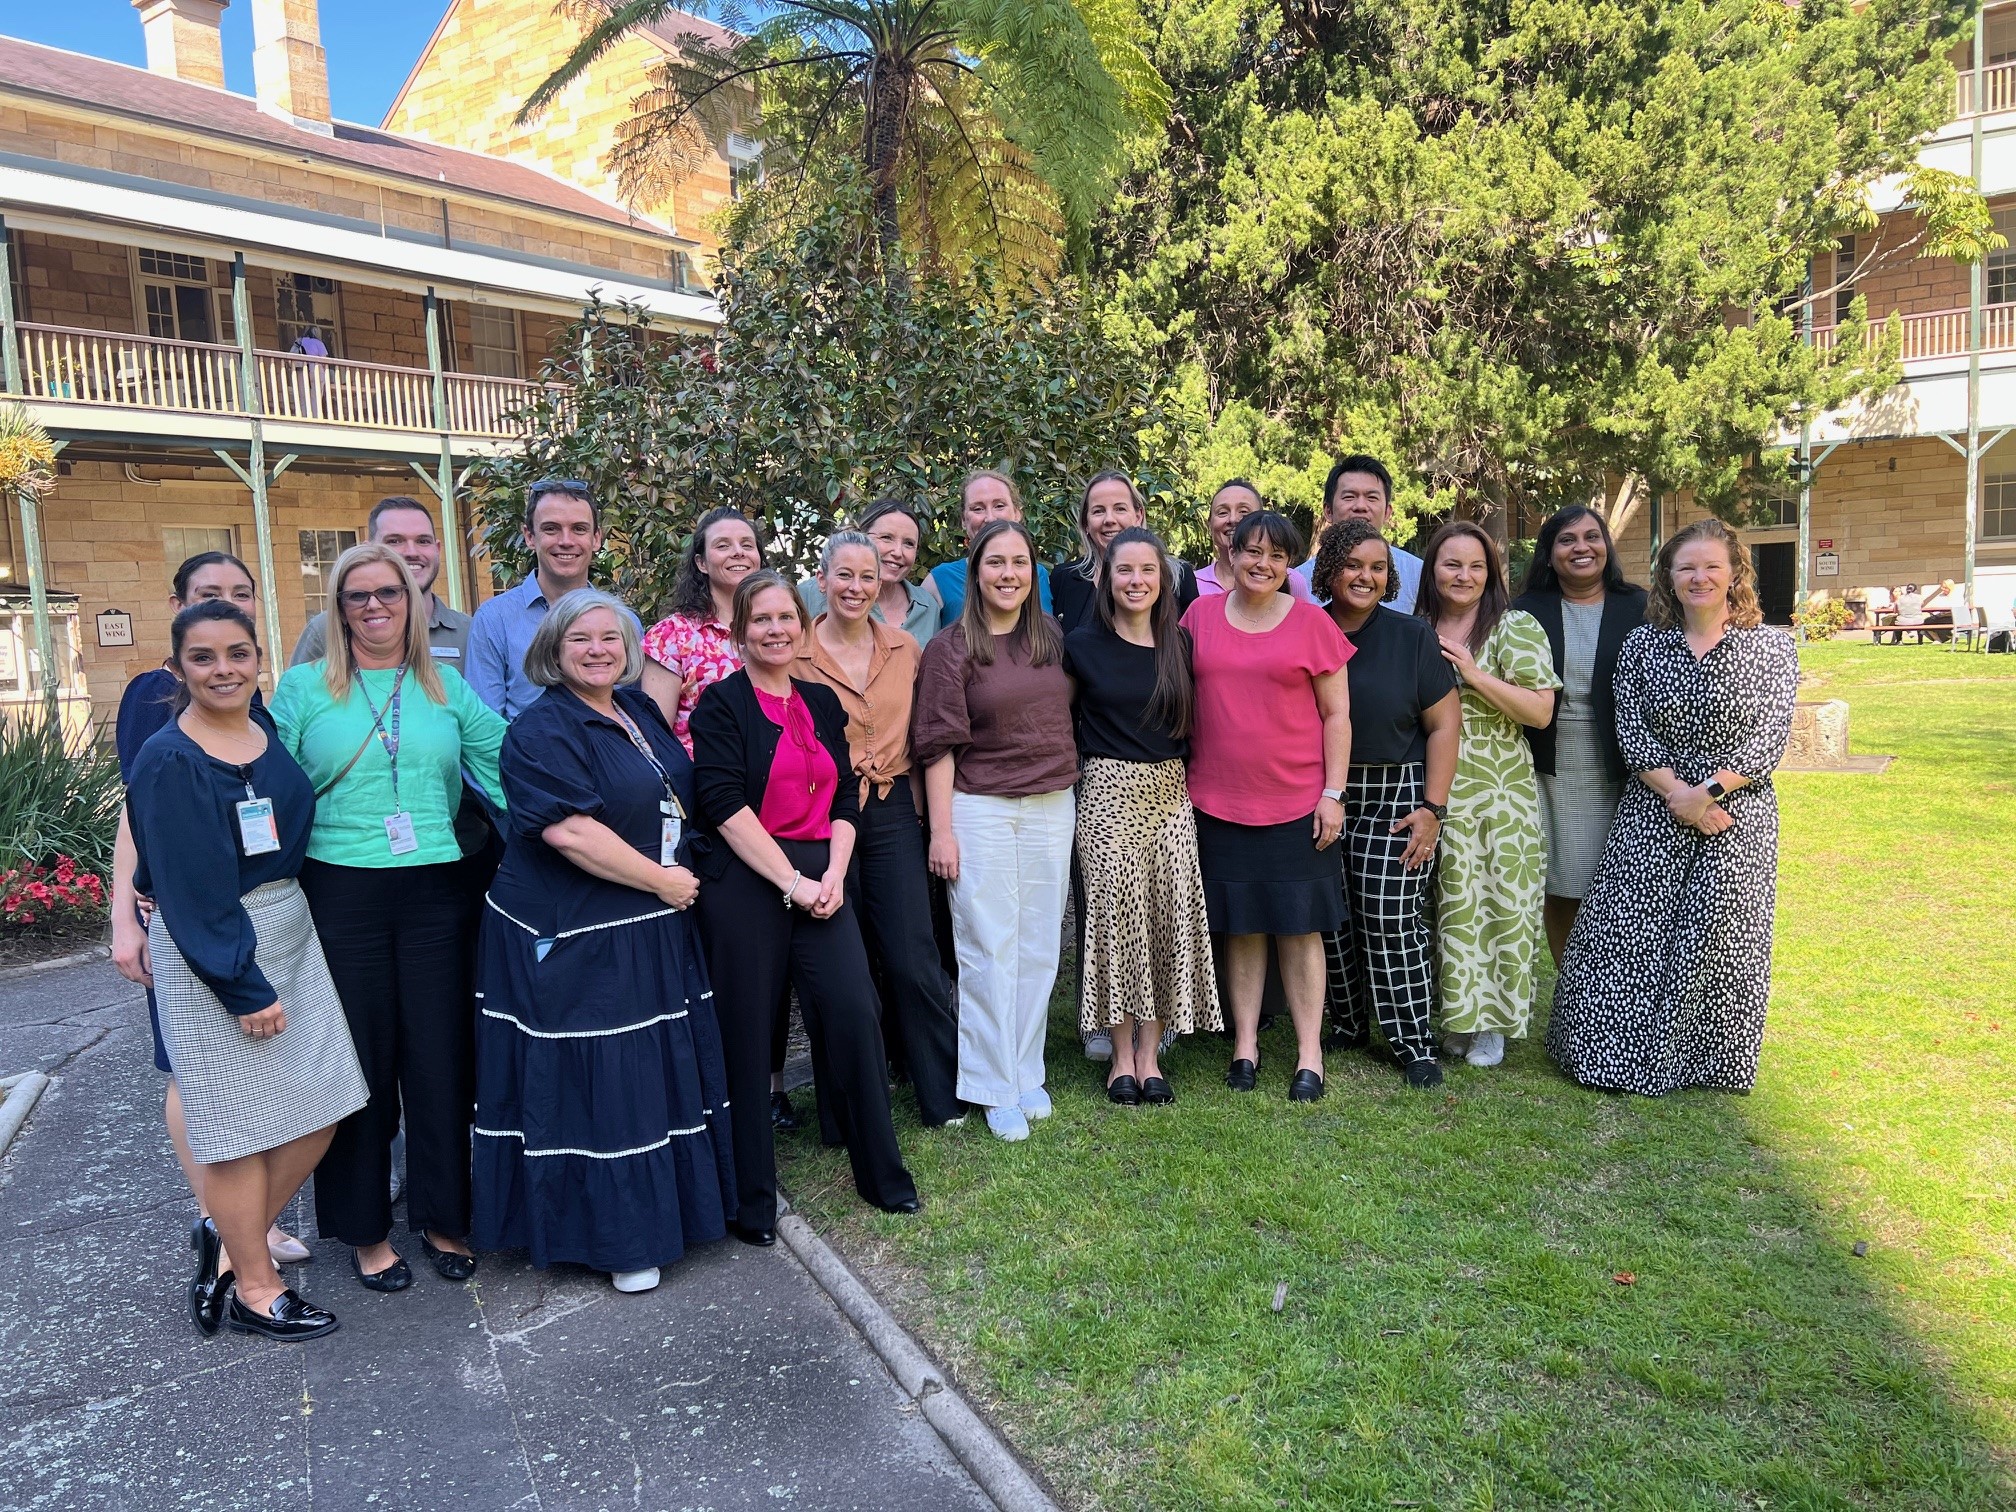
[
  {"x": 1941, "y": 333},
  {"x": 191, "y": 377},
  {"x": 1998, "y": 90}
]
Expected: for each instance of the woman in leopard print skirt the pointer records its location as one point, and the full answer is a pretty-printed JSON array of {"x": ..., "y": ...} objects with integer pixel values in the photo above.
[{"x": 1147, "y": 946}]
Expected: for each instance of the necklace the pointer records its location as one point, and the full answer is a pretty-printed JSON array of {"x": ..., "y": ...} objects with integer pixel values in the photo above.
[
  {"x": 237, "y": 740},
  {"x": 1251, "y": 619}
]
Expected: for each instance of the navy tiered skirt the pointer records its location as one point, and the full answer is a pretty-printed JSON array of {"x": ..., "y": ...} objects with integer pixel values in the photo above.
[{"x": 602, "y": 1118}]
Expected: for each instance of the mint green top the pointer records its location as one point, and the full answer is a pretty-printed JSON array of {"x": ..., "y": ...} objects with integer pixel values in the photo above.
[{"x": 436, "y": 741}]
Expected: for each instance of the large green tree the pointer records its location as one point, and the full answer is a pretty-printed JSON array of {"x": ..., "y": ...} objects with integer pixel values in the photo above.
[
  {"x": 1530, "y": 249},
  {"x": 827, "y": 386}
]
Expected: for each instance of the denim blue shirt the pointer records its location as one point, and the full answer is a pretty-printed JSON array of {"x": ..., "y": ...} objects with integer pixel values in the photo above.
[{"x": 499, "y": 637}]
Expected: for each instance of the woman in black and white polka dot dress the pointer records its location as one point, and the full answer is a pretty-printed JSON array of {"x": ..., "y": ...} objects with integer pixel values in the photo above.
[{"x": 1668, "y": 970}]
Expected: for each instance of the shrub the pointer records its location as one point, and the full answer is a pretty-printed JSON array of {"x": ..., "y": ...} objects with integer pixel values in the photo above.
[
  {"x": 59, "y": 796},
  {"x": 1823, "y": 620},
  {"x": 51, "y": 898}
]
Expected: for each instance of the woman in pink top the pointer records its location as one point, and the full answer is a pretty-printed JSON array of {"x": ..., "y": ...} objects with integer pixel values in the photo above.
[
  {"x": 691, "y": 648},
  {"x": 1229, "y": 505},
  {"x": 1270, "y": 751}
]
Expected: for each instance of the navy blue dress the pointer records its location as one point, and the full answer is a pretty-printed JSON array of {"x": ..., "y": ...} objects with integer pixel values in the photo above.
[{"x": 602, "y": 1119}]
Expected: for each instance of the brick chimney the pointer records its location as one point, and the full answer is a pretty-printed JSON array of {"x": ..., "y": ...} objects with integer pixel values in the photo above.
[
  {"x": 182, "y": 39},
  {"x": 288, "y": 66}
]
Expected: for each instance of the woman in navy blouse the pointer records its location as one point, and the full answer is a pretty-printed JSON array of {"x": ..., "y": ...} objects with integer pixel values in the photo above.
[
  {"x": 220, "y": 816},
  {"x": 601, "y": 1100}
]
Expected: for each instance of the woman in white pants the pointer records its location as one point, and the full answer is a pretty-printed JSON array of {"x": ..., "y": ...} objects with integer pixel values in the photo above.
[{"x": 992, "y": 734}]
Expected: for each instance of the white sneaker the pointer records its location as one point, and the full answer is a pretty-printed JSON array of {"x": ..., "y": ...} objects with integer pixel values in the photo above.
[
  {"x": 1487, "y": 1049},
  {"x": 1099, "y": 1047},
  {"x": 1036, "y": 1103},
  {"x": 1008, "y": 1124},
  {"x": 634, "y": 1281},
  {"x": 1457, "y": 1044}
]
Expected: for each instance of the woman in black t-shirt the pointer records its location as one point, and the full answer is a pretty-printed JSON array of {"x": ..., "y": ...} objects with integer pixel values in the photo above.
[
  {"x": 1406, "y": 726},
  {"x": 1146, "y": 944}
]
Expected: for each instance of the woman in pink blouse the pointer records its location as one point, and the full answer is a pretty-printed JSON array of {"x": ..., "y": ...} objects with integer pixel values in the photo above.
[
  {"x": 1270, "y": 751},
  {"x": 691, "y": 648}
]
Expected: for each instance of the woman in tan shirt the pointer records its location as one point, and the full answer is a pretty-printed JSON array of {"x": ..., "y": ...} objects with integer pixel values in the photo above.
[{"x": 873, "y": 668}]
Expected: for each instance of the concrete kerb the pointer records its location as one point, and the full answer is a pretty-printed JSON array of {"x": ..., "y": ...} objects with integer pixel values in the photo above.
[
  {"x": 76, "y": 958},
  {"x": 978, "y": 1447},
  {"x": 21, "y": 1092}
]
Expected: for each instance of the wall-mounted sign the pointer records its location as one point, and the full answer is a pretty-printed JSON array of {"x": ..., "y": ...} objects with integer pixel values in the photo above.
[
  {"x": 1827, "y": 564},
  {"x": 115, "y": 628},
  {"x": 1825, "y": 543}
]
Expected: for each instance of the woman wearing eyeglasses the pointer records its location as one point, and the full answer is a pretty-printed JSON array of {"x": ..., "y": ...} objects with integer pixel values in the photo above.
[{"x": 385, "y": 736}]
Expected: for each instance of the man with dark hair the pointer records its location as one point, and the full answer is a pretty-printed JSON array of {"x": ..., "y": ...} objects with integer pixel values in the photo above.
[
  {"x": 1360, "y": 488},
  {"x": 407, "y": 527},
  {"x": 563, "y": 530}
]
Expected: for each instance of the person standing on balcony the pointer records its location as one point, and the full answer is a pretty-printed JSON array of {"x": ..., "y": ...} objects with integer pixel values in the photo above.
[
  {"x": 563, "y": 531},
  {"x": 407, "y": 526},
  {"x": 984, "y": 497},
  {"x": 1360, "y": 488}
]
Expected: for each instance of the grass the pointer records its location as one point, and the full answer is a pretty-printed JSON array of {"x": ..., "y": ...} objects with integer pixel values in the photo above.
[{"x": 1454, "y": 1331}]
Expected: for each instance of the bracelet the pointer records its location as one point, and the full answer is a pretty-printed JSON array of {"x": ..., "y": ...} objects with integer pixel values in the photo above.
[{"x": 796, "y": 878}]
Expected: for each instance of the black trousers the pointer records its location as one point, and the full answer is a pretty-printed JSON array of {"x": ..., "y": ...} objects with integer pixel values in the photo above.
[
  {"x": 888, "y": 884},
  {"x": 397, "y": 945},
  {"x": 1381, "y": 965},
  {"x": 756, "y": 944}
]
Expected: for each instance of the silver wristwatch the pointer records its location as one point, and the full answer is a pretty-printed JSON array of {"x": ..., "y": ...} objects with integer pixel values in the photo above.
[{"x": 1335, "y": 795}]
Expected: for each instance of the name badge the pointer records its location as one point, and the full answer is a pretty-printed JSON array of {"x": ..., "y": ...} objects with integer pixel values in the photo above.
[
  {"x": 669, "y": 831},
  {"x": 399, "y": 831},
  {"x": 257, "y": 833},
  {"x": 453, "y": 653}
]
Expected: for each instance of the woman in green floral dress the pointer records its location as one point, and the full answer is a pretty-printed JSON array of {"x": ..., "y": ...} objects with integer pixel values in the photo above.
[{"x": 1494, "y": 854}]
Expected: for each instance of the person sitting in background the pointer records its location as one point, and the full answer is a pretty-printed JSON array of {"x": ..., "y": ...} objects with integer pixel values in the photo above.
[
  {"x": 985, "y": 496},
  {"x": 913, "y": 608}
]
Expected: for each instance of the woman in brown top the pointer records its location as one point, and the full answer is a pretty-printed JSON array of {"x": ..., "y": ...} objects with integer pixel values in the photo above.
[
  {"x": 992, "y": 733},
  {"x": 873, "y": 668}
]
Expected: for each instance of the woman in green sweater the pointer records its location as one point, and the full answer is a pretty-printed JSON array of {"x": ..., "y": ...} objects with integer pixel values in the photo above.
[{"x": 385, "y": 735}]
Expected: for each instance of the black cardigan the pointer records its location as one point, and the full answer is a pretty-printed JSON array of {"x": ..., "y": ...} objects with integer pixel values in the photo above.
[
  {"x": 1623, "y": 612},
  {"x": 734, "y": 744}
]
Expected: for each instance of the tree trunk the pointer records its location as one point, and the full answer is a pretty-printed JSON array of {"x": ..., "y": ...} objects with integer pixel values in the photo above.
[
  {"x": 883, "y": 145},
  {"x": 1620, "y": 508}
]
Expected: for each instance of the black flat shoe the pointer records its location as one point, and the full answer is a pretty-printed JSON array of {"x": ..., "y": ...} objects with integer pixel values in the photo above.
[
  {"x": 1306, "y": 1087},
  {"x": 762, "y": 1238},
  {"x": 783, "y": 1117},
  {"x": 292, "y": 1320},
  {"x": 1158, "y": 1091},
  {"x": 205, "y": 1297},
  {"x": 1125, "y": 1091},
  {"x": 1243, "y": 1076},
  {"x": 396, "y": 1277},
  {"x": 1423, "y": 1074},
  {"x": 448, "y": 1265},
  {"x": 904, "y": 1207}
]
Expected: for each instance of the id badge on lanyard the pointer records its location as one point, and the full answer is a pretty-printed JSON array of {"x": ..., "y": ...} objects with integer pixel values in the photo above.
[
  {"x": 258, "y": 834},
  {"x": 670, "y": 827},
  {"x": 399, "y": 832}
]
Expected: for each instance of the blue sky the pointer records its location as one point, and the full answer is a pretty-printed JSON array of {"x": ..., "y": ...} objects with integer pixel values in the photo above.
[{"x": 371, "y": 43}]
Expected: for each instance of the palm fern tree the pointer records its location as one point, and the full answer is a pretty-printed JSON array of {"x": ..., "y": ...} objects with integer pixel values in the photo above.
[{"x": 995, "y": 122}]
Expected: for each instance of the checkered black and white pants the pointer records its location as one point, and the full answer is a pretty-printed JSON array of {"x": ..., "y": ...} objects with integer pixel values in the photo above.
[{"x": 1382, "y": 962}]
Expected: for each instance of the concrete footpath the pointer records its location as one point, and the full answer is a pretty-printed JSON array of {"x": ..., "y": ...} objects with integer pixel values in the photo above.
[{"x": 736, "y": 1384}]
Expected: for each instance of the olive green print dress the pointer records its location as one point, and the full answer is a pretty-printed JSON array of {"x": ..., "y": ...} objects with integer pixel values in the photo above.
[{"x": 1493, "y": 866}]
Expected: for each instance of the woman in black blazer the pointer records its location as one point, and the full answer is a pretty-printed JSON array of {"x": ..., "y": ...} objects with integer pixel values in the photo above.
[
  {"x": 1575, "y": 587},
  {"x": 777, "y": 830}
]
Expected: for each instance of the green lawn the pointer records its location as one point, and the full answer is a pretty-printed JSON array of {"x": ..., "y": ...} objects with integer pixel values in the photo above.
[{"x": 1453, "y": 1334}]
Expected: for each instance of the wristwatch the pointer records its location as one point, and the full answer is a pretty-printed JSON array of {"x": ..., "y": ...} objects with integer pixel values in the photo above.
[
  {"x": 1439, "y": 810},
  {"x": 1335, "y": 795},
  {"x": 1714, "y": 789}
]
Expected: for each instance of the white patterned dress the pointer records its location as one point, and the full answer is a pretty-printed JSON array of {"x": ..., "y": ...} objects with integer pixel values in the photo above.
[
  {"x": 1668, "y": 970},
  {"x": 1492, "y": 873}
]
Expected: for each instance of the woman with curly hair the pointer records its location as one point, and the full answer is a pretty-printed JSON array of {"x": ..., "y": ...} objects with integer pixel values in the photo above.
[
  {"x": 1668, "y": 969},
  {"x": 691, "y": 648}
]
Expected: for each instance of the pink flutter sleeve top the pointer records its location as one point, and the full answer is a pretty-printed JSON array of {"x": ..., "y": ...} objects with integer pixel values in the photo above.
[{"x": 1256, "y": 743}]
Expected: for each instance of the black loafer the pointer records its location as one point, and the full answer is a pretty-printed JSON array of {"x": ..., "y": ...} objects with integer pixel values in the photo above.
[
  {"x": 903, "y": 1207},
  {"x": 1307, "y": 1086},
  {"x": 205, "y": 1297},
  {"x": 762, "y": 1238},
  {"x": 1423, "y": 1074},
  {"x": 206, "y": 1307},
  {"x": 783, "y": 1117},
  {"x": 396, "y": 1277},
  {"x": 1243, "y": 1077},
  {"x": 1158, "y": 1091},
  {"x": 292, "y": 1320},
  {"x": 1124, "y": 1090},
  {"x": 448, "y": 1265}
]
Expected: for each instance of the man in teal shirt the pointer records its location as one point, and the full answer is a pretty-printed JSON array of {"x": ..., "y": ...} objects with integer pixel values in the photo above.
[{"x": 986, "y": 495}]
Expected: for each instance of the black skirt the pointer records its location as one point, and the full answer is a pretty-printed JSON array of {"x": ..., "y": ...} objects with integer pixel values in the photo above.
[{"x": 1269, "y": 879}]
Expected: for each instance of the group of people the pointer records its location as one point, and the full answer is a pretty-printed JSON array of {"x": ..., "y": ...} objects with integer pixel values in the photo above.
[{"x": 622, "y": 853}]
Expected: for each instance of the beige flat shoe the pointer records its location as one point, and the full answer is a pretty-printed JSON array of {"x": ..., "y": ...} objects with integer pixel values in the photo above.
[{"x": 285, "y": 1248}]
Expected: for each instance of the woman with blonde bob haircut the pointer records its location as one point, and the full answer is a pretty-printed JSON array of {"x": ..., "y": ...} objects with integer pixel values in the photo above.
[
  {"x": 1668, "y": 969},
  {"x": 385, "y": 735}
]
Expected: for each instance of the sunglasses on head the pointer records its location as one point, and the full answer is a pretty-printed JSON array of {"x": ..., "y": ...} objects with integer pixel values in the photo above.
[{"x": 357, "y": 598}]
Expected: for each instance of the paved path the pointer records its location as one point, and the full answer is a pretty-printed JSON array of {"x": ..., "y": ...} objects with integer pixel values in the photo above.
[{"x": 736, "y": 1384}]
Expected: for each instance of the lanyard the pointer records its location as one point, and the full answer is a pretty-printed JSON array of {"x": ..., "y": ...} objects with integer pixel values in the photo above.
[
  {"x": 388, "y": 738},
  {"x": 671, "y": 804}
]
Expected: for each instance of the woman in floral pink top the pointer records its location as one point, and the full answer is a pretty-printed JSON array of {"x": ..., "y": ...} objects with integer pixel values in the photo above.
[{"x": 691, "y": 647}]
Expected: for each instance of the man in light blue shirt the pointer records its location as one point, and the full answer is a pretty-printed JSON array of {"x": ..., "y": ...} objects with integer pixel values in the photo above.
[
  {"x": 1360, "y": 488},
  {"x": 563, "y": 528},
  {"x": 986, "y": 495}
]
